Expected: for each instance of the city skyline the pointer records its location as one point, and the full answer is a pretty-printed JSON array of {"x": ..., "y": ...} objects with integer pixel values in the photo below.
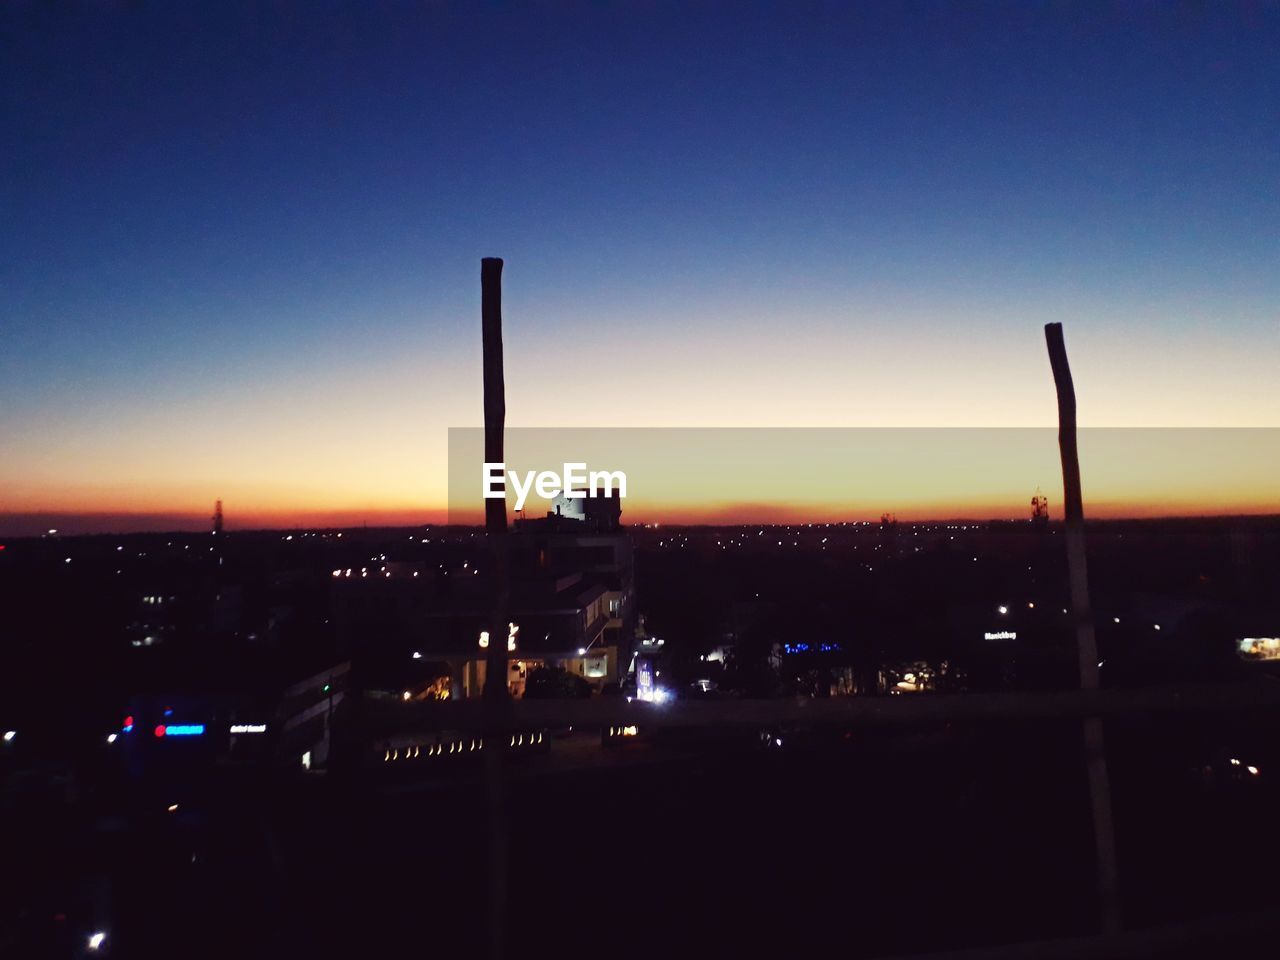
[{"x": 242, "y": 256}]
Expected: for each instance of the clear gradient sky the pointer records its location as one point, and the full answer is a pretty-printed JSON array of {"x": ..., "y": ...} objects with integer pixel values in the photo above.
[{"x": 239, "y": 247}]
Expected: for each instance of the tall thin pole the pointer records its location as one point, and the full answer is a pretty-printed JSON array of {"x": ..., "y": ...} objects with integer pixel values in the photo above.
[
  {"x": 496, "y": 662},
  {"x": 495, "y": 508},
  {"x": 1086, "y": 642},
  {"x": 1073, "y": 507}
]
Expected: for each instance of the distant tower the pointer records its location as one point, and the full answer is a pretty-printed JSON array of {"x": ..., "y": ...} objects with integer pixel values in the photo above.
[
  {"x": 217, "y": 518},
  {"x": 1039, "y": 509}
]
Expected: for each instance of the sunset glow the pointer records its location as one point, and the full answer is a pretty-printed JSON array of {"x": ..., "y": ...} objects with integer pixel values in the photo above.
[{"x": 286, "y": 315}]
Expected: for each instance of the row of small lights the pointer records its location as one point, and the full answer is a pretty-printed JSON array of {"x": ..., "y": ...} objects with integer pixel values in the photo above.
[
  {"x": 364, "y": 571},
  {"x": 457, "y": 747},
  {"x": 120, "y": 549},
  {"x": 1003, "y": 610}
]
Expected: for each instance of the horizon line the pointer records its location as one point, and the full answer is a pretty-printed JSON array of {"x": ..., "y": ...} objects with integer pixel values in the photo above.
[{"x": 645, "y": 524}]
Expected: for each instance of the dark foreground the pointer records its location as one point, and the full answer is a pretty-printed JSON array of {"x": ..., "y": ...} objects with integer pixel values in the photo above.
[{"x": 869, "y": 845}]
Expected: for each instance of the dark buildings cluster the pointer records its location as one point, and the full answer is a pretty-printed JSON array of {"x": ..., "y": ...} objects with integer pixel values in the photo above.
[{"x": 287, "y": 633}]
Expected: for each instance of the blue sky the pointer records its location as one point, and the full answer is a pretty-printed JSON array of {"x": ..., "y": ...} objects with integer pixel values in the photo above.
[{"x": 217, "y": 223}]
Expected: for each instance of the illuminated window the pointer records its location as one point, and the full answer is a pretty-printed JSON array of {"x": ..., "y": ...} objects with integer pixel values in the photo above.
[{"x": 1259, "y": 648}]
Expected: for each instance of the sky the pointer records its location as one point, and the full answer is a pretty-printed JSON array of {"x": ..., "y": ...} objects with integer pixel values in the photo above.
[{"x": 239, "y": 244}]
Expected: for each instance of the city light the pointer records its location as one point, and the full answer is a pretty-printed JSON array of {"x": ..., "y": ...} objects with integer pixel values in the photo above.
[
  {"x": 248, "y": 728},
  {"x": 180, "y": 730},
  {"x": 9, "y": 735},
  {"x": 96, "y": 939},
  {"x": 1259, "y": 648},
  {"x": 111, "y": 738}
]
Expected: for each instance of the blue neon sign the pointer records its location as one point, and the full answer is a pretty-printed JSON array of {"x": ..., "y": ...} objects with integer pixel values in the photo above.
[{"x": 180, "y": 730}]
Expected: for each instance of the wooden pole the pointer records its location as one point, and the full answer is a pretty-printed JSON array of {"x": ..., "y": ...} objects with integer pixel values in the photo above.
[
  {"x": 1086, "y": 642},
  {"x": 497, "y": 701},
  {"x": 495, "y": 403}
]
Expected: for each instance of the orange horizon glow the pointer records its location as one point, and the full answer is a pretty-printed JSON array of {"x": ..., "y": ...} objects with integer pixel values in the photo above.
[
  {"x": 357, "y": 430},
  {"x": 722, "y": 477}
]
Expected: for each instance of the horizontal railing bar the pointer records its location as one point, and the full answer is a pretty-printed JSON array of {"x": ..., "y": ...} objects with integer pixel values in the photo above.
[{"x": 883, "y": 710}]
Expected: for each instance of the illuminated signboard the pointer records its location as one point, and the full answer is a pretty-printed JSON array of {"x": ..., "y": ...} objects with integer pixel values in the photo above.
[
  {"x": 644, "y": 679},
  {"x": 1259, "y": 648},
  {"x": 248, "y": 728},
  {"x": 180, "y": 730},
  {"x": 1001, "y": 635}
]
